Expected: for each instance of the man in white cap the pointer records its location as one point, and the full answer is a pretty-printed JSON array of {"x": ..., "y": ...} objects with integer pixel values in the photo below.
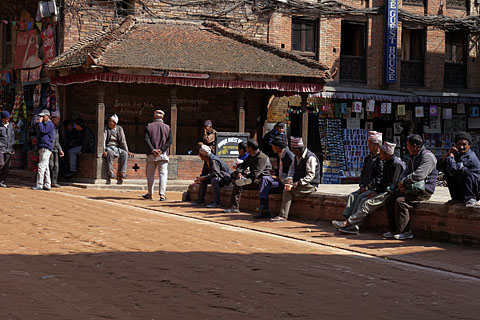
[
  {"x": 371, "y": 176},
  {"x": 57, "y": 151},
  {"x": 215, "y": 172},
  {"x": 45, "y": 135},
  {"x": 158, "y": 137},
  {"x": 303, "y": 177},
  {"x": 115, "y": 146},
  {"x": 393, "y": 167}
]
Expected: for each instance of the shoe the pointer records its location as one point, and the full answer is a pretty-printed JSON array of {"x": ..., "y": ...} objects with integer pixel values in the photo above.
[
  {"x": 471, "y": 203},
  {"x": 452, "y": 201},
  {"x": 214, "y": 205},
  {"x": 163, "y": 198},
  {"x": 37, "y": 188},
  {"x": 404, "y": 236},
  {"x": 388, "y": 235},
  {"x": 46, "y": 189},
  {"x": 198, "y": 202},
  {"x": 350, "y": 230},
  {"x": 277, "y": 219},
  {"x": 56, "y": 185},
  {"x": 263, "y": 206},
  {"x": 243, "y": 182},
  {"x": 119, "y": 180},
  {"x": 108, "y": 181},
  {"x": 70, "y": 174},
  {"x": 2, "y": 184},
  {"x": 262, "y": 215},
  {"x": 147, "y": 196},
  {"x": 231, "y": 210},
  {"x": 339, "y": 224}
]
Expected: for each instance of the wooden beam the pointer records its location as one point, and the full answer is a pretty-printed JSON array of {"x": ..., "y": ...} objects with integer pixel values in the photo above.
[
  {"x": 304, "y": 119},
  {"x": 173, "y": 119}
]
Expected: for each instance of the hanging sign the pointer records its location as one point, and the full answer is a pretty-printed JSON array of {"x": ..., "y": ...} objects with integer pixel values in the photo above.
[
  {"x": 475, "y": 112},
  {"x": 433, "y": 111},
  {"x": 447, "y": 113},
  {"x": 370, "y": 105},
  {"x": 386, "y": 108},
  {"x": 26, "y": 50},
  {"x": 48, "y": 45},
  {"x": 357, "y": 106},
  {"x": 401, "y": 110},
  {"x": 419, "y": 112},
  {"x": 190, "y": 75},
  {"x": 391, "y": 19}
]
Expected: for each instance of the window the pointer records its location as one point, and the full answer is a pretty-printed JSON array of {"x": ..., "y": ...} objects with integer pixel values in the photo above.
[
  {"x": 412, "y": 65},
  {"x": 353, "y": 52},
  {"x": 455, "y": 72},
  {"x": 7, "y": 44},
  {"x": 304, "y": 36}
]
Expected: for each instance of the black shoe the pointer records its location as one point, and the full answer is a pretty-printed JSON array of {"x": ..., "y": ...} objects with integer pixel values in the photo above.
[
  {"x": 108, "y": 181},
  {"x": 214, "y": 205},
  {"x": 263, "y": 215},
  {"x": 263, "y": 206},
  {"x": 350, "y": 230},
  {"x": 119, "y": 180},
  {"x": 147, "y": 196},
  {"x": 198, "y": 202},
  {"x": 70, "y": 174},
  {"x": 46, "y": 189}
]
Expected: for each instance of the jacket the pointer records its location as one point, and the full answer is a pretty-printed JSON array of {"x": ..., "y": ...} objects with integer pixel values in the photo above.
[
  {"x": 422, "y": 166},
  {"x": 259, "y": 166},
  {"x": 87, "y": 140},
  {"x": 122, "y": 140},
  {"x": 7, "y": 138},
  {"x": 267, "y": 142},
  {"x": 216, "y": 168},
  {"x": 45, "y": 135},
  {"x": 468, "y": 160},
  {"x": 372, "y": 172},
  {"x": 392, "y": 170},
  {"x": 158, "y": 135},
  {"x": 298, "y": 169}
]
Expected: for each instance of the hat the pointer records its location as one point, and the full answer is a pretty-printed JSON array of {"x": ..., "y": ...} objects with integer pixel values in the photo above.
[
  {"x": 44, "y": 112},
  {"x": 296, "y": 142},
  {"x": 55, "y": 114},
  {"x": 205, "y": 150},
  {"x": 388, "y": 148},
  {"x": 159, "y": 112},
  {"x": 5, "y": 114},
  {"x": 280, "y": 124},
  {"x": 279, "y": 142},
  {"x": 207, "y": 123},
  {"x": 114, "y": 118},
  {"x": 374, "y": 136},
  {"x": 463, "y": 136}
]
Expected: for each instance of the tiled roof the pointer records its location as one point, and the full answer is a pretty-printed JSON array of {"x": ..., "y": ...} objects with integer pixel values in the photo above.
[{"x": 188, "y": 47}]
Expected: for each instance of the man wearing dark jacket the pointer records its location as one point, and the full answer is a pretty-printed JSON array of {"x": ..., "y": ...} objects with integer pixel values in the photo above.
[
  {"x": 7, "y": 141},
  {"x": 417, "y": 183},
  {"x": 371, "y": 176},
  {"x": 274, "y": 183},
  {"x": 86, "y": 144},
  {"x": 277, "y": 131},
  {"x": 158, "y": 137},
  {"x": 303, "y": 177},
  {"x": 258, "y": 165},
  {"x": 462, "y": 171},
  {"x": 45, "y": 135},
  {"x": 216, "y": 172},
  {"x": 57, "y": 151},
  {"x": 392, "y": 169}
]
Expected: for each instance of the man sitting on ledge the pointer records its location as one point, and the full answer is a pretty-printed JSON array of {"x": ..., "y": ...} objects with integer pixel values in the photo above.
[
  {"x": 302, "y": 179},
  {"x": 462, "y": 171},
  {"x": 257, "y": 165},
  {"x": 216, "y": 172}
]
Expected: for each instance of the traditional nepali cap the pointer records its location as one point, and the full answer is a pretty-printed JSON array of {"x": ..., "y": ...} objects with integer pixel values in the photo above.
[
  {"x": 207, "y": 123},
  {"x": 205, "y": 150},
  {"x": 374, "y": 136},
  {"x": 114, "y": 118},
  {"x": 388, "y": 147},
  {"x": 280, "y": 124},
  {"x": 463, "y": 136},
  {"x": 296, "y": 142},
  {"x": 279, "y": 141},
  {"x": 5, "y": 114},
  {"x": 160, "y": 111},
  {"x": 55, "y": 114},
  {"x": 44, "y": 112}
]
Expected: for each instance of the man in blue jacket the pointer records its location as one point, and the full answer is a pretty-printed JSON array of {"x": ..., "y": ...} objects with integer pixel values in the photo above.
[
  {"x": 7, "y": 140},
  {"x": 462, "y": 171},
  {"x": 45, "y": 135}
]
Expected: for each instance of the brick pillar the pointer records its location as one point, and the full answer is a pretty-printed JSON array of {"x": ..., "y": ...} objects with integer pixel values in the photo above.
[
  {"x": 304, "y": 118},
  {"x": 100, "y": 123},
  {"x": 173, "y": 120},
  {"x": 241, "y": 111}
]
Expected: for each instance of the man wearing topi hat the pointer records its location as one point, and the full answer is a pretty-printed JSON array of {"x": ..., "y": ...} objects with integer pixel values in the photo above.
[
  {"x": 115, "y": 146},
  {"x": 7, "y": 141},
  {"x": 393, "y": 166},
  {"x": 462, "y": 171},
  {"x": 371, "y": 176},
  {"x": 303, "y": 177}
]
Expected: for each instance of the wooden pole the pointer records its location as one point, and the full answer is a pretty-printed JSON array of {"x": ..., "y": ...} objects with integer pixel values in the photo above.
[
  {"x": 173, "y": 120},
  {"x": 304, "y": 119}
]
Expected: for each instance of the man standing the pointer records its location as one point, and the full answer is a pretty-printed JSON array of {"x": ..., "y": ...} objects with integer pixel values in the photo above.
[
  {"x": 115, "y": 146},
  {"x": 45, "y": 135},
  {"x": 254, "y": 167},
  {"x": 216, "y": 172},
  {"x": 86, "y": 144},
  {"x": 392, "y": 169},
  {"x": 462, "y": 171},
  {"x": 417, "y": 183},
  {"x": 57, "y": 151},
  {"x": 303, "y": 177},
  {"x": 158, "y": 138},
  {"x": 7, "y": 141},
  {"x": 209, "y": 135},
  {"x": 371, "y": 174}
]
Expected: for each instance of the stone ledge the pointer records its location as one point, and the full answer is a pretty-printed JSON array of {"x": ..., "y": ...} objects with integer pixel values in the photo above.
[{"x": 430, "y": 219}]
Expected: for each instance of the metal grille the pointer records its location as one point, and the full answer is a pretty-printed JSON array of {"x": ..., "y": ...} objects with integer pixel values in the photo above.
[
  {"x": 412, "y": 73},
  {"x": 455, "y": 75},
  {"x": 352, "y": 69},
  {"x": 457, "y": 3}
]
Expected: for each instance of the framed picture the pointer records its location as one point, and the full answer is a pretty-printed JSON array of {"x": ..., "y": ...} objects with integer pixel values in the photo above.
[{"x": 398, "y": 141}]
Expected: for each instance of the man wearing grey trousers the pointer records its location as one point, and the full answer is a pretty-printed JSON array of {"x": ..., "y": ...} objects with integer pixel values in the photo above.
[
  {"x": 158, "y": 137},
  {"x": 115, "y": 145},
  {"x": 57, "y": 152}
]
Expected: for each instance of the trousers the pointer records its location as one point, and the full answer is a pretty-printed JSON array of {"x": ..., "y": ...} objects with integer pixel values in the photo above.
[
  {"x": 301, "y": 191},
  {"x": 54, "y": 167},
  {"x": 354, "y": 200},
  {"x": 367, "y": 207},
  {"x": 5, "y": 159},
  {"x": 398, "y": 214},
  {"x": 122, "y": 155},
  {"x": 463, "y": 186},
  {"x": 43, "y": 174},
  {"x": 162, "y": 167},
  {"x": 216, "y": 183}
]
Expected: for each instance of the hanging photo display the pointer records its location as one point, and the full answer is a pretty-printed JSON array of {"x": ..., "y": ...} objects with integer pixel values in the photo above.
[
  {"x": 401, "y": 110},
  {"x": 386, "y": 108},
  {"x": 419, "y": 112},
  {"x": 370, "y": 105},
  {"x": 357, "y": 107}
]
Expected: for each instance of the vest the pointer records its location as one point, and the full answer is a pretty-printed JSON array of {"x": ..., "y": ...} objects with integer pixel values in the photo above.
[
  {"x": 301, "y": 169},
  {"x": 159, "y": 132}
]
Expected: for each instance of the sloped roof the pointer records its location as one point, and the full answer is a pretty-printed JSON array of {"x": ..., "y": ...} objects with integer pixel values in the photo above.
[{"x": 186, "y": 47}]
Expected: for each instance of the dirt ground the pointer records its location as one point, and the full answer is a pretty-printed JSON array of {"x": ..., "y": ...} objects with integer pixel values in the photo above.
[{"x": 90, "y": 254}]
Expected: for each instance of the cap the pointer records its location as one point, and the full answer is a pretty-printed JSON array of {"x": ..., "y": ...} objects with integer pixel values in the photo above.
[
  {"x": 296, "y": 142},
  {"x": 44, "y": 112},
  {"x": 388, "y": 147}
]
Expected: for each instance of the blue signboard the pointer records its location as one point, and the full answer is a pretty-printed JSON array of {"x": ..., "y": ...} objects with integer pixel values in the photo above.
[{"x": 391, "y": 21}]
